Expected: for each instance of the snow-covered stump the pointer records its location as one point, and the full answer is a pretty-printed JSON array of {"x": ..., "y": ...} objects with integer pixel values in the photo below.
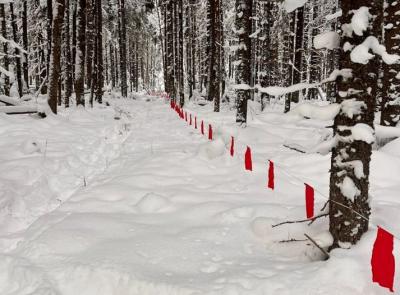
[{"x": 353, "y": 127}]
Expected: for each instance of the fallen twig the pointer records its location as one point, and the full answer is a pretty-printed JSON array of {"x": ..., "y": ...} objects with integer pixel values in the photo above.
[
  {"x": 318, "y": 246},
  {"x": 310, "y": 220},
  {"x": 294, "y": 149},
  {"x": 292, "y": 240}
]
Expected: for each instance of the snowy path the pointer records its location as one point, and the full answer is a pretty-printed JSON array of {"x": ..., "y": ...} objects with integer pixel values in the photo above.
[{"x": 165, "y": 219}]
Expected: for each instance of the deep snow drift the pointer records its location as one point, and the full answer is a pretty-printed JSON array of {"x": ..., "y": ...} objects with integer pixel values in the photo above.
[{"x": 131, "y": 200}]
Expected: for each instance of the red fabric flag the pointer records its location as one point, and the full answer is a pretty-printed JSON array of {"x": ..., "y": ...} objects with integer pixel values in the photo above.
[
  {"x": 382, "y": 261},
  {"x": 195, "y": 122},
  {"x": 271, "y": 175},
  {"x": 190, "y": 120},
  {"x": 202, "y": 127},
  {"x": 210, "y": 132},
  {"x": 248, "y": 163},
  {"x": 309, "y": 201},
  {"x": 232, "y": 146}
]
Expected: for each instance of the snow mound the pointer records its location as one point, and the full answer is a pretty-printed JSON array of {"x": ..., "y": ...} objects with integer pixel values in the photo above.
[
  {"x": 311, "y": 111},
  {"x": 392, "y": 148},
  {"x": 212, "y": 149},
  {"x": 152, "y": 203}
]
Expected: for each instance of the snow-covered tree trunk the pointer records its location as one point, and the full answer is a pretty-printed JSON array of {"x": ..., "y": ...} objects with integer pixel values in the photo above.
[
  {"x": 349, "y": 208},
  {"x": 243, "y": 70},
  {"x": 55, "y": 60},
  {"x": 391, "y": 82},
  {"x": 17, "y": 51},
  {"x": 265, "y": 59}
]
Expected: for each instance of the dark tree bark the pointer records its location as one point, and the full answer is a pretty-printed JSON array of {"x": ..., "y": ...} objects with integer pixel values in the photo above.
[
  {"x": 243, "y": 71},
  {"x": 90, "y": 41},
  {"x": 122, "y": 48},
  {"x": 99, "y": 53},
  {"x": 49, "y": 45},
  {"x": 6, "y": 87},
  {"x": 25, "y": 44},
  {"x": 181, "y": 84},
  {"x": 298, "y": 53},
  {"x": 214, "y": 57},
  {"x": 55, "y": 64},
  {"x": 266, "y": 57},
  {"x": 390, "y": 115},
  {"x": 349, "y": 208},
  {"x": 288, "y": 58},
  {"x": 68, "y": 56},
  {"x": 80, "y": 53}
]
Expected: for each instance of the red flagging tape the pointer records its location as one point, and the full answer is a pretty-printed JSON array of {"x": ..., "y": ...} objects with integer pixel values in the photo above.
[
  {"x": 202, "y": 127},
  {"x": 309, "y": 201},
  {"x": 210, "y": 132},
  {"x": 382, "y": 261},
  {"x": 248, "y": 163},
  {"x": 232, "y": 150},
  {"x": 271, "y": 175}
]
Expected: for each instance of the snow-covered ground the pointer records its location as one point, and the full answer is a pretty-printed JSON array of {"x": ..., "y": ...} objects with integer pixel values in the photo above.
[{"x": 129, "y": 199}]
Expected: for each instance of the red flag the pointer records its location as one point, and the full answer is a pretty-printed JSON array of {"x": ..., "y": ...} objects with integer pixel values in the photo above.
[
  {"x": 232, "y": 146},
  {"x": 309, "y": 201},
  {"x": 202, "y": 127},
  {"x": 271, "y": 175},
  {"x": 210, "y": 132},
  {"x": 190, "y": 120},
  {"x": 382, "y": 261},
  {"x": 195, "y": 122},
  {"x": 248, "y": 163}
]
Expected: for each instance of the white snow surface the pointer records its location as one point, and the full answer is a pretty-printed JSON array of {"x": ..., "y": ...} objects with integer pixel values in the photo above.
[
  {"x": 328, "y": 40},
  {"x": 292, "y": 5},
  {"x": 163, "y": 210}
]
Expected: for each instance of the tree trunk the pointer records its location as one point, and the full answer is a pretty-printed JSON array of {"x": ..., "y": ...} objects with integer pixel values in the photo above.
[
  {"x": 180, "y": 69},
  {"x": 298, "y": 53},
  {"x": 99, "y": 53},
  {"x": 391, "y": 84},
  {"x": 349, "y": 208},
  {"x": 55, "y": 60},
  {"x": 25, "y": 44},
  {"x": 68, "y": 56},
  {"x": 6, "y": 87},
  {"x": 243, "y": 71},
  {"x": 18, "y": 54},
  {"x": 122, "y": 48},
  {"x": 213, "y": 56},
  {"x": 80, "y": 53}
]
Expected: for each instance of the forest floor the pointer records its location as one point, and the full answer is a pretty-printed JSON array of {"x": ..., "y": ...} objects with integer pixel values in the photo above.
[{"x": 130, "y": 199}]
